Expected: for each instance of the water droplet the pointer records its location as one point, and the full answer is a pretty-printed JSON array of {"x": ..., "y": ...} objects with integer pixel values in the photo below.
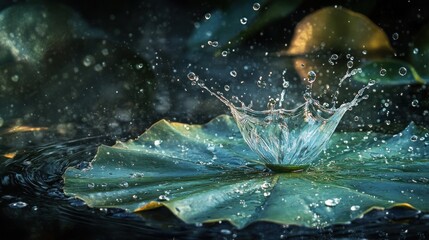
[
  {"x": 226, "y": 87},
  {"x": 91, "y": 185},
  {"x": 213, "y": 43},
  {"x": 139, "y": 65},
  {"x": 311, "y": 76},
  {"x": 233, "y": 73},
  {"x": 243, "y": 20},
  {"x": 88, "y": 60},
  {"x": 383, "y": 72},
  {"x": 372, "y": 82},
  {"x": 364, "y": 52},
  {"x": 265, "y": 185},
  {"x": 256, "y": 6},
  {"x": 224, "y": 53},
  {"x": 207, "y": 16},
  {"x": 350, "y": 64},
  {"x": 285, "y": 84},
  {"x": 34, "y": 208},
  {"x": 157, "y": 143},
  {"x": 15, "y": 78},
  {"x": 261, "y": 83},
  {"x": 415, "y": 103},
  {"x": 334, "y": 56},
  {"x": 307, "y": 96},
  {"x": 402, "y": 71},
  {"x": 266, "y": 194},
  {"x": 271, "y": 103},
  {"x": 356, "y": 118},
  {"x": 124, "y": 184},
  {"x": 98, "y": 67},
  {"x": 105, "y": 51},
  {"x": 163, "y": 198},
  {"x": 388, "y": 122},
  {"x": 414, "y": 138},
  {"x": 19, "y": 204},
  {"x": 225, "y": 231},
  {"x": 415, "y": 50},
  {"x": 192, "y": 76},
  {"x": 355, "y": 207},
  {"x": 135, "y": 196},
  {"x": 395, "y": 36},
  {"x": 332, "y": 202}
]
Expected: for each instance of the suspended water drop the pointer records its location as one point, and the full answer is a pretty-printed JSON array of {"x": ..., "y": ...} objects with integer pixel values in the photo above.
[
  {"x": 266, "y": 194},
  {"x": 261, "y": 83},
  {"x": 213, "y": 43},
  {"x": 192, "y": 76},
  {"x": 91, "y": 185},
  {"x": 19, "y": 204},
  {"x": 98, "y": 67},
  {"x": 371, "y": 82},
  {"x": 356, "y": 118},
  {"x": 207, "y": 16},
  {"x": 402, "y": 71},
  {"x": 34, "y": 208},
  {"x": 224, "y": 53},
  {"x": 225, "y": 231},
  {"x": 364, "y": 52},
  {"x": 415, "y": 103},
  {"x": 388, "y": 122},
  {"x": 243, "y": 20},
  {"x": 227, "y": 88},
  {"x": 15, "y": 78},
  {"x": 311, "y": 76},
  {"x": 271, "y": 103},
  {"x": 285, "y": 84},
  {"x": 233, "y": 73},
  {"x": 334, "y": 56},
  {"x": 88, "y": 60},
  {"x": 383, "y": 72},
  {"x": 414, "y": 138},
  {"x": 395, "y": 36},
  {"x": 256, "y": 6},
  {"x": 332, "y": 202},
  {"x": 307, "y": 96},
  {"x": 350, "y": 64},
  {"x": 415, "y": 50},
  {"x": 139, "y": 65}
]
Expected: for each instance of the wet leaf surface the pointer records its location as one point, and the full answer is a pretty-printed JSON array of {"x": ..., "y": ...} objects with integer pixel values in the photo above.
[{"x": 206, "y": 173}]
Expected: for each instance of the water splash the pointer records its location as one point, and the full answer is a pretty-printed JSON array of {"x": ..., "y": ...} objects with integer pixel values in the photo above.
[{"x": 289, "y": 140}]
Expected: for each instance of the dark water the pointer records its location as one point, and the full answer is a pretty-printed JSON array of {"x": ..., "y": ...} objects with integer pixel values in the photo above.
[{"x": 81, "y": 112}]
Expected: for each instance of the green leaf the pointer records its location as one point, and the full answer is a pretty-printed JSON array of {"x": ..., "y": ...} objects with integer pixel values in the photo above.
[
  {"x": 206, "y": 173},
  {"x": 388, "y": 72}
]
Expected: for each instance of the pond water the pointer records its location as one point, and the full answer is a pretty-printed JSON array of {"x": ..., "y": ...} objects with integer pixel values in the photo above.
[{"x": 77, "y": 75}]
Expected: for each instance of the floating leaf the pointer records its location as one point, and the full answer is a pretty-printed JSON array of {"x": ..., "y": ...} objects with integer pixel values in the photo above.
[
  {"x": 338, "y": 29},
  {"x": 388, "y": 72},
  {"x": 206, "y": 173}
]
